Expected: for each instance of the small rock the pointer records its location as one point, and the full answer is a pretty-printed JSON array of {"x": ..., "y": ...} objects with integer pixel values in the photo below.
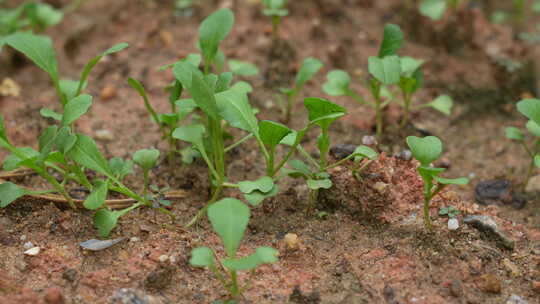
[
  {"x": 134, "y": 239},
  {"x": 8, "y": 87},
  {"x": 340, "y": 151},
  {"x": 490, "y": 283},
  {"x": 163, "y": 258},
  {"x": 511, "y": 267},
  {"x": 159, "y": 278},
  {"x": 291, "y": 241},
  {"x": 97, "y": 245},
  {"x": 28, "y": 245},
  {"x": 515, "y": 299},
  {"x": 405, "y": 154},
  {"x": 32, "y": 251},
  {"x": 498, "y": 192},
  {"x": 108, "y": 92},
  {"x": 536, "y": 286},
  {"x": 534, "y": 184},
  {"x": 23, "y": 237},
  {"x": 456, "y": 288},
  {"x": 104, "y": 135},
  {"x": 70, "y": 275},
  {"x": 486, "y": 224},
  {"x": 453, "y": 224},
  {"x": 53, "y": 295},
  {"x": 380, "y": 187},
  {"x": 130, "y": 296},
  {"x": 369, "y": 140}
]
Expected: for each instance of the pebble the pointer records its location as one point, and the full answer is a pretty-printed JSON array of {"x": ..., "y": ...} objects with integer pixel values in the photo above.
[
  {"x": 70, "y": 275},
  {"x": 134, "y": 239},
  {"x": 130, "y": 296},
  {"x": 511, "y": 267},
  {"x": 291, "y": 240},
  {"x": 498, "y": 192},
  {"x": 159, "y": 279},
  {"x": 453, "y": 224},
  {"x": 405, "y": 155},
  {"x": 108, "y": 92},
  {"x": 28, "y": 245},
  {"x": 490, "y": 283},
  {"x": 380, "y": 187},
  {"x": 534, "y": 184},
  {"x": 23, "y": 237},
  {"x": 53, "y": 295},
  {"x": 104, "y": 135},
  {"x": 340, "y": 151},
  {"x": 486, "y": 224},
  {"x": 369, "y": 140},
  {"x": 515, "y": 299},
  {"x": 32, "y": 251},
  {"x": 163, "y": 258}
]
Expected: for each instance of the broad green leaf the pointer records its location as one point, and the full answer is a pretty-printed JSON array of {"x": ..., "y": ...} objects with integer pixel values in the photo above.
[
  {"x": 86, "y": 153},
  {"x": 46, "y": 142},
  {"x": 105, "y": 221},
  {"x": 9, "y": 192},
  {"x": 235, "y": 109},
  {"x": 530, "y": 108},
  {"x": 223, "y": 82},
  {"x": 203, "y": 95},
  {"x": 183, "y": 71},
  {"x": 229, "y": 218},
  {"x": 3, "y": 135},
  {"x": 12, "y": 161},
  {"x": 387, "y": 70},
  {"x": 263, "y": 255},
  {"x": 425, "y": 149},
  {"x": 69, "y": 88},
  {"x": 452, "y": 181},
  {"x": 410, "y": 65},
  {"x": 365, "y": 151},
  {"x": 263, "y": 184},
  {"x": 537, "y": 161},
  {"x": 92, "y": 63},
  {"x": 243, "y": 68},
  {"x": 44, "y": 15},
  {"x": 242, "y": 87},
  {"x": 48, "y": 113},
  {"x": 289, "y": 139},
  {"x": 337, "y": 83},
  {"x": 514, "y": 133},
  {"x": 202, "y": 257},
  {"x": 392, "y": 40},
  {"x": 98, "y": 196},
  {"x": 433, "y": 9},
  {"x": 272, "y": 133},
  {"x": 120, "y": 167},
  {"x": 65, "y": 140},
  {"x": 310, "y": 67},
  {"x": 39, "y": 49},
  {"x": 533, "y": 128},
  {"x": 256, "y": 197},
  {"x": 300, "y": 166},
  {"x": 315, "y": 184},
  {"x": 75, "y": 108},
  {"x": 212, "y": 31},
  {"x": 190, "y": 133},
  {"x": 189, "y": 154},
  {"x": 442, "y": 104},
  {"x": 323, "y": 112},
  {"x": 146, "y": 158}
]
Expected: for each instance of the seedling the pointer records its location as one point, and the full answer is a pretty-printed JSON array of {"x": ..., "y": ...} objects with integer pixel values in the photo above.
[
  {"x": 449, "y": 211},
  {"x": 435, "y": 9},
  {"x": 426, "y": 150},
  {"x": 309, "y": 68},
  {"x": 275, "y": 9},
  {"x": 146, "y": 159},
  {"x": 531, "y": 109},
  {"x": 229, "y": 218},
  {"x": 387, "y": 69}
]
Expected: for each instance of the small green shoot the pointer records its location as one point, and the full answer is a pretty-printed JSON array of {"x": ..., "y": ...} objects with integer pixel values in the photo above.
[
  {"x": 449, "y": 211},
  {"x": 275, "y": 9},
  {"x": 146, "y": 159},
  {"x": 435, "y": 9},
  {"x": 426, "y": 150},
  {"x": 229, "y": 218}
]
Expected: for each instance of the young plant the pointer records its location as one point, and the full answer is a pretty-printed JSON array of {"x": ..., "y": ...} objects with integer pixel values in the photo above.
[
  {"x": 146, "y": 159},
  {"x": 531, "y": 109},
  {"x": 229, "y": 218},
  {"x": 275, "y": 9},
  {"x": 309, "y": 68},
  {"x": 435, "y": 9},
  {"x": 449, "y": 211},
  {"x": 426, "y": 150}
]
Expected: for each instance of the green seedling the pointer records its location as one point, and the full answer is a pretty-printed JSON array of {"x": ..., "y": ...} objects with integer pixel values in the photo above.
[
  {"x": 435, "y": 9},
  {"x": 531, "y": 109},
  {"x": 146, "y": 159},
  {"x": 387, "y": 69},
  {"x": 275, "y": 9},
  {"x": 309, "y": 68},
  {"x": 449, "y": 211},
  {"x": 229, "y": 218},
  {"x": 426, "y": 150}
]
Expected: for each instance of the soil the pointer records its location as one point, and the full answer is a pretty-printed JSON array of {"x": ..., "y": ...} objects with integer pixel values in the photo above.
[{"x": 367, "y": 243}]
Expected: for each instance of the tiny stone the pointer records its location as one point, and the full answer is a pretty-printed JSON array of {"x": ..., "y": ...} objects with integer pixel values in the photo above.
[
  {"x": 472, "y": 175},
  {"x": 108, "y": 92},
  {"x": 291, "y": 240},
  {"x": 28, "y": 245},
  {"x": 369, "y": 140},
  {"x": 515, "y": 299},
  {"x": 32, "y": 251},
  {"x": 53, "y": 295},
  {"x": 380, "y": 187},
  {"x": 453, "y": 224},
  {"x": 163, "y": 258},
  {"x": 70, "y": 275},
  {"x": 405, "y": 155},
  {"x": 104, "y": 135},
  {"x": 134, "y": 239},
  {"x": 490, "y": 283},
  {"x": 23, "y": 237}
]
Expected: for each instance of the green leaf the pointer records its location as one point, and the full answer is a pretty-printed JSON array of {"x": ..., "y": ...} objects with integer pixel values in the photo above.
[
  {"x": 48, "y": 113},
  {"x": 272, "y": 133},
  {"x": 183, "y": 71},
  {"x": 300, "y": 166},
  {"x": 310, "y": 67},
  {"x": 533, "y": 128},
  {"x": 263, "y": 255},
  {"x": 433, "y": 9},
  {"x": 44, "y": 15},
  {"x": 365, "y": 151},
  {"x": 98, "y": 196},
  {"x": 235, "y": 109},
  {"x": 425, "y": 149},
  {"x": 12, "y": 161},
  {"x": 92, "y": 63},
  {"x": 392, "y": 40},
  {"x": 256, "y": 197},
  {"x": 410, "y": 65},
  {"x": 190, "y": 133},
  {"x": 9, "y": 192},
  {"x": 229, "y": 218},
  {"x": 263, "y": 184},
  {"x": 69, "y": 88},
  {"x": 387, "y": 70},
  {"x": 212, "y": 31},
  {"x": 120, "y": 167},
  {"x": 65, "y": 140},
  {"x": 106, "y": 220},
  {"x": 76, "y": 108},
  {"x": 86, "y": 153},
  {"x": 39, "y": 49},
  {"x": 203, "y": 95},
  {"x": 46, "y": 141},
  {"x": 243, "y": 68},
  {"x": 315, "y": 184},
  {"x": 242, "y": 87},
  {"x": 452, "y": 181},
  {"x": 442, "y": 104},
  {"x": 202, "y": 257},
  {"x": 537, "y": 161},
  {"x": 530, "y": 108},
  {"x": 337, "y": 83},
  {"x": 323, "y": 112},
  {"x": 3, "y": 135},
  {"x": 146, "y": 158},
  {"x": 223, "y": 82},
  {"x": 514, "y": 133}
]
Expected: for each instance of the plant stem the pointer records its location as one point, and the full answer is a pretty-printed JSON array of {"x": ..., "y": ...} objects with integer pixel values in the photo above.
[
  {"x": 276, "y": 20},
  {"x": 531, "y": 154},
  {"x": 235, "y": 291},
  {"x": 427, "y": 220},
  {"x": 406, "y": 108},
  {"x": 145, "y": 178},
  {"x": 238, "y": 143}
]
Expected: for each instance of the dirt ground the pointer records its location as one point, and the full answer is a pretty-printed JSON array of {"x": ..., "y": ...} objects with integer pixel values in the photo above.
[{"x": 370, "y": 247}]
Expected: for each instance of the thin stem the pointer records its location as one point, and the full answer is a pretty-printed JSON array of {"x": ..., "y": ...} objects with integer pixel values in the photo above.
[
  {"x": 291, "y": 97},
  {"x": 292, "y": 150},
  {"x": 531, "y": 164},
  {"x": 276, "y": 20},
  {"x": 201, "y": 212},
  {"x": 235, "y": 291},
  {"x": 427, "y": 220},
  {"x": 358, "y": 98},
  {"x": 406, "y": 108},
  {"x": 238, "y": 143},
  {"x": 145, "y": 178},
  {"x": 308, "y": 157}
]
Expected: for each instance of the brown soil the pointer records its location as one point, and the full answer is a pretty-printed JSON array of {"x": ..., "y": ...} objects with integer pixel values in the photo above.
[{"x": 371, "y": 246}]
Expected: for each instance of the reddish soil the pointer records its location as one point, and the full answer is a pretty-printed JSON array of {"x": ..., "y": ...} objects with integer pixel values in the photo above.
[{"x": 369, "y": 248}]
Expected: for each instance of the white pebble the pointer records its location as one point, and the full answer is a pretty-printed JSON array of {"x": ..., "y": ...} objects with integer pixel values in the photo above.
[
  {"x": 134, "y": 239},
  {"x": 453, "y": 224},
  {"x": 23, "y": 237},
  {"x": 163, "y": 258},
  {"x": 28, "y": 245},
  {"x": 32, "y": 251}
]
